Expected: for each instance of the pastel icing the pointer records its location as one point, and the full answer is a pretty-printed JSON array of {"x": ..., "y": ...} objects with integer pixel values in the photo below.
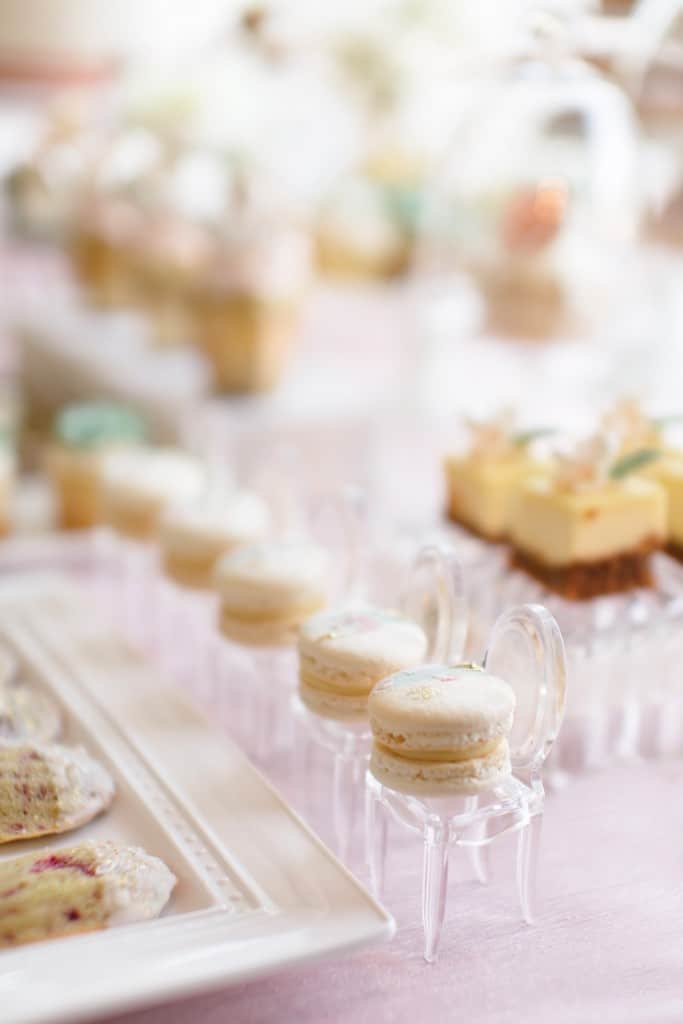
[{"x": 93, "y": 424}]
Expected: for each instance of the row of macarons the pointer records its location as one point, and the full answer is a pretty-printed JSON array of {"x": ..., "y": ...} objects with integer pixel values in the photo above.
[{"x": 275, "y": 593}]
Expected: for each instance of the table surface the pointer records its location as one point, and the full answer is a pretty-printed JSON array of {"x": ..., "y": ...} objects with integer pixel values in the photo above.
[{"x": 606, "y": 947}]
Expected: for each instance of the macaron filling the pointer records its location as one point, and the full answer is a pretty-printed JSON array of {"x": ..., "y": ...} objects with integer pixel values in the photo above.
[
  {"x": 465, "y": 753},
  {"x": 441, "y": 729}
]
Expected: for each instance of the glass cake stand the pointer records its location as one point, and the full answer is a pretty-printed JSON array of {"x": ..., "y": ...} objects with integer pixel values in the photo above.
[{"x": 526, "y": 649}]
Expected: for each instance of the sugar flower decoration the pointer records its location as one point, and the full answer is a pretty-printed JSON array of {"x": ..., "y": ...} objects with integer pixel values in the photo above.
[
  {"x": 599, "y": 459},
  {"x": 588, "y": 465},
  {"x": 493, "y": 438},
  {"x": 632, "y": 428}
]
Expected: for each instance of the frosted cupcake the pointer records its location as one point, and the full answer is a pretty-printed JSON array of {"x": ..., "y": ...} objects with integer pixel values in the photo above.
[
  {"x": 248, "y": 304},
  {"x": 100, "y": 248},
  {"x": 84, "y": 433},
  {"x": 168, "y": 256},
  {"x": 360, "y": 235},
  {"x": 7, "y": 479},
  {"x": 519, "y": 272}
]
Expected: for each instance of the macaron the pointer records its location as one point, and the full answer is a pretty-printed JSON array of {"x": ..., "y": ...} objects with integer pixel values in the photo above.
[
  {"x": 268, "y": 590},
  {"x": 441, "y": 730},
  {"x": 138, "y": 484},
  {"x": 344, "y": 653},
  {"x": 194, "y": 536}
]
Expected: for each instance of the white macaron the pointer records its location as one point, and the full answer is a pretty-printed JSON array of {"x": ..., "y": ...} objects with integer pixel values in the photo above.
[
  {"x": 344, "y": 653},
  {"x": 268, "y": 590},
  {"x": 441, "y": 730}
]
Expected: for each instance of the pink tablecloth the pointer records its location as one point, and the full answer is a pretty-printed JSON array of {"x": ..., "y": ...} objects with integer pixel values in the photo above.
[{"x": 608, "y": 946}]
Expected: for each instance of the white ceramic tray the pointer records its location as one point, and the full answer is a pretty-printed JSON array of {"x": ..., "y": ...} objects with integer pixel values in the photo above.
[{"x": 256, "y": 890}]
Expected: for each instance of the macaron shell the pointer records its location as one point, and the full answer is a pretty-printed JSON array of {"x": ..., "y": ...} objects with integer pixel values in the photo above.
[
  {"x": 214, "y": 527},
  {"x": 439, "y": 778},
  {"x": 336, "y": 706},
  {"x": 274, "y": 629},
  {"x": 440, "y": 708},
  {"x": 360, "y": 646},
  {"x": 271, "y": 576}
]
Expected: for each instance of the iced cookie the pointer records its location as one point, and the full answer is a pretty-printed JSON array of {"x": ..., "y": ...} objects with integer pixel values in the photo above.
[
  {"x": 441, "y": 730},
  {"x": 26, "y": 714},
  {"x": 55, "y": 893},
  {"x": 343, "y": 654},
  {"x": 268, "y": 590},
  {"x": 49, "y": 789}
]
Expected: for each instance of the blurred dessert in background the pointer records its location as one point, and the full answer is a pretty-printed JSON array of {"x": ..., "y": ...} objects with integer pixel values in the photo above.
[
  {"x": 249, "y": 299},
  {"x": 71, "y": 353},
  {"x": 368, "y": 226},
  {"x": 268, "y": 590},
  {"x": 45, "y": 187},
  {"x": 194, "y": 536},
  {"x": 140, "y": 483},
  {"x": 483, "y": 482},
  {"x": 84, "y": 433}
]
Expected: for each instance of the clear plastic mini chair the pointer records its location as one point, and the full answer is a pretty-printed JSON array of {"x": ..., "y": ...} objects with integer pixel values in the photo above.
[
  {"x": 527, "y": 651},
  {"x": 434, "y": 598}
]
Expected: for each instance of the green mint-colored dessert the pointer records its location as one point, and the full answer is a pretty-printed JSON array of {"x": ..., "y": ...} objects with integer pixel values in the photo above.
[{"x": 90, "y": 425}]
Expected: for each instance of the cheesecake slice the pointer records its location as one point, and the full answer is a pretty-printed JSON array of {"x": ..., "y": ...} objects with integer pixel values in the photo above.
[
  {"x": 668, "y": 473},
  {"x": 482, "y": 492},
  {"x": 483, "y": 482},
  {"x": 589, "y": 541}
]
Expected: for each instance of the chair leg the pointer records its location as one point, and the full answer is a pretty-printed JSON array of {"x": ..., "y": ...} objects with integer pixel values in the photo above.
[
  {"x": 434, "y": 887},
  {"x": 302, "y": 756},
  {"x": 348, "y": 772},
  {"x": 376, "y": 829},
  {"x": 528, "y": 845},
  {"x": 478, "y": 855}
]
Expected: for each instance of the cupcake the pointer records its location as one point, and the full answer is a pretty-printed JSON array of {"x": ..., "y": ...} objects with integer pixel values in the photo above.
[
  {"x": 358, "y": 234},
  {"x": 7, "y": 477},
  {"x": 247, "y": 305},
  {"x": 167, "y": 257},
  {"x": 100, "y": 248},
  {"x": 520, "y": 277},
  {"x": 84, "y": 433}
]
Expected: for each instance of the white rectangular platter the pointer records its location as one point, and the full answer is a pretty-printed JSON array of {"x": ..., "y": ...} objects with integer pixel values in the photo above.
[{"x": 256, "y": 890}]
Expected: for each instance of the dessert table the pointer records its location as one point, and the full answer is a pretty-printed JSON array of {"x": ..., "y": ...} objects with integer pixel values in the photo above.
[{"x": 606, "y": 945}]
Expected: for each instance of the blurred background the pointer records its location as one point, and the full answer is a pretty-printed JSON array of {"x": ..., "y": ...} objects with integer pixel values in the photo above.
[{"x": 339, "y": 227}]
